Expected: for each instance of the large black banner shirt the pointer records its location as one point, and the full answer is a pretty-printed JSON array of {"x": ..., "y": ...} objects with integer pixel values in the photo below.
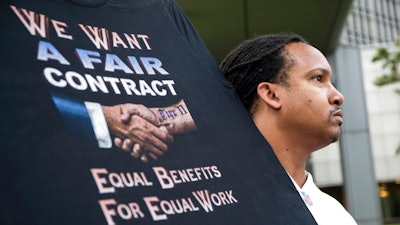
[{"x": 79, "y": 77}]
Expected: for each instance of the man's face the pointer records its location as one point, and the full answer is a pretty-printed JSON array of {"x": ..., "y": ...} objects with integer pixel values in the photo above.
[{"x": 310, "y": 105}]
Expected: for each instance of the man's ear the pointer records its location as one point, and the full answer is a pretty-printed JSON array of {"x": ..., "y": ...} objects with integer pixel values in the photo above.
[{"x": 267, "y": 92}]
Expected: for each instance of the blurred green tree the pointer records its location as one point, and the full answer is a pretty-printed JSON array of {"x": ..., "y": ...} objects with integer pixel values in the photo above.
[{"x": 391, "y": 60}]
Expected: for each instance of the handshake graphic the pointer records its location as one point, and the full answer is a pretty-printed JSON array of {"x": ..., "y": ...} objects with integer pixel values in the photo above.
[{"x": 143, "y": 132}]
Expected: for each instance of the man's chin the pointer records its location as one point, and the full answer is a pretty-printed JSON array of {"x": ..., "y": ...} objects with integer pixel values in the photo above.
[{"x": 335, "y": 137}]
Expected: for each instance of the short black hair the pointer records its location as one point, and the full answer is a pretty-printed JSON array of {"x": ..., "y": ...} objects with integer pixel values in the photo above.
[{"x": 257, "y": 60}]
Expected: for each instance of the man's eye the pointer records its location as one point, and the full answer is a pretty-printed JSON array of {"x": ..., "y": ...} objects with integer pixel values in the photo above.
[{"x": 318, "y": 78}]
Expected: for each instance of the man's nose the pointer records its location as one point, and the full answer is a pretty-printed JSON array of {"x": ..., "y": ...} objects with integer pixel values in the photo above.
[{"x": 336, "y": 97}]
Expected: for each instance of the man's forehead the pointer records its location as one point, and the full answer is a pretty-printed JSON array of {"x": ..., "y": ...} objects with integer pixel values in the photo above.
[
  {"x": 302, "y": 49},
  {"x": 305, "y": 53}
]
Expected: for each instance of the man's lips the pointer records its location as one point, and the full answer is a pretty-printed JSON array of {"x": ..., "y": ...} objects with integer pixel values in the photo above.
[{"x": 338, "y": 114}]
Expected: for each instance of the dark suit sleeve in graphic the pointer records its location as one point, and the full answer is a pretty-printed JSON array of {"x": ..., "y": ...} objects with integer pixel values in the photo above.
[{"x": 83, "y": 119}]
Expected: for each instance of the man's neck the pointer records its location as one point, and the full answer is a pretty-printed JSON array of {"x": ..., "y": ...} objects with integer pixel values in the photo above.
[
  {"x": 293, "y": 162},
  {"x": 291, "y": 150}
]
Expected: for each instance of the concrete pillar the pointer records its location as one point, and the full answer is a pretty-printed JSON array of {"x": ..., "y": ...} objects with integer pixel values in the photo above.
[{"x": 360, "y": 184}]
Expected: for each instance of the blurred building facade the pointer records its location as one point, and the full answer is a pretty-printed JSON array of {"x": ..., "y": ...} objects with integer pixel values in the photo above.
[{"x": 371, "y": 24}]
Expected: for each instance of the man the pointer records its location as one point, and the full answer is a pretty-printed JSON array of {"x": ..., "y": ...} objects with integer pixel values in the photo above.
[{"x": 285, "y": 85}]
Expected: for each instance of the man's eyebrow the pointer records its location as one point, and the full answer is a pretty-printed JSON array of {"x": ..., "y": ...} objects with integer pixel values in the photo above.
[{"x": 320, "y": 69}]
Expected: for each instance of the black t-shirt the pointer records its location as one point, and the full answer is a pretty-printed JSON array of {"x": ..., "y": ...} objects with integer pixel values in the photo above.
[{"x": 60, "y": 57}]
